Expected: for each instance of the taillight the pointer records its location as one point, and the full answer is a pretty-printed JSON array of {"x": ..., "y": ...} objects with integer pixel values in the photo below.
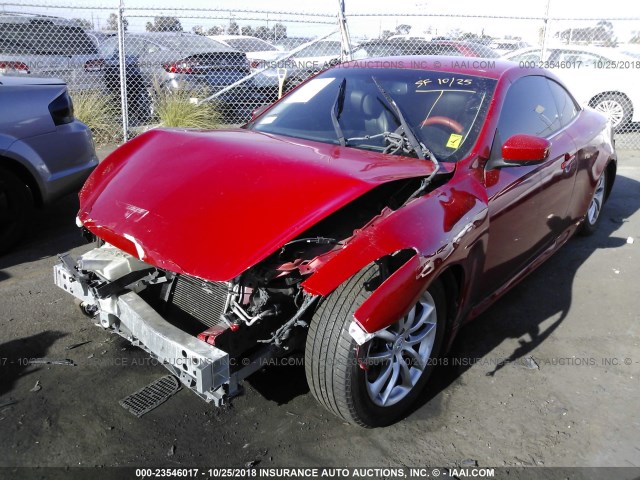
[
  {"x": 61, "y": 109},
  {"x": 182, "y": 66},
  {"x": 13, "y": 67},
  {"x": 94, "y": 65}
]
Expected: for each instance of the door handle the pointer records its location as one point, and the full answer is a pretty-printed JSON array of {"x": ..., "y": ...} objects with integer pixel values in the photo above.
[{"x": 568, "y": 162}]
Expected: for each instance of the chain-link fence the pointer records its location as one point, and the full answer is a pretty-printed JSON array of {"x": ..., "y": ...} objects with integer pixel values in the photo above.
[{"x": 130, "y": 68}]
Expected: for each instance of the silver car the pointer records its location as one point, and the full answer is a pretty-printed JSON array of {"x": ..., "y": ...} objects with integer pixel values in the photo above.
[
  {"x": 180, "y": 61},
  {"x": 45, "y": 152},
  {"x": 54, "y": 47}
]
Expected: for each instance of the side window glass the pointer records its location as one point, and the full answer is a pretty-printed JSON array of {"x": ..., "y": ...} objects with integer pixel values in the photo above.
[
  {"x": 529, "y": 108},
  {"x": 567, "y": 108}
]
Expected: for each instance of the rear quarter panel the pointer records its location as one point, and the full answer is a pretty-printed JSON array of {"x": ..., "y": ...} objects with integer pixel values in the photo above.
[
  {"x": 592, "y": 135},
  {"x": 25, "y": 111},
  {"x": 59, "y": 158}
]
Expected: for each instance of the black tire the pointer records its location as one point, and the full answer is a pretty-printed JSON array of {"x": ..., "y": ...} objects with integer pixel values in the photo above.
[
  {"x": 16, "y": 204},
  {"x": 615, "y": 106},
  {"x": 592, "y": 217},
  {"x": 334, "y": 361}
]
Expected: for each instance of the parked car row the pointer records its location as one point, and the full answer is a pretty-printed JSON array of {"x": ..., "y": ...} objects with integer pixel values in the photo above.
[
  {"x": 181, "y": 61},
  {"x": 89, "y": 61},
  {"x": 56, "y": 47}
]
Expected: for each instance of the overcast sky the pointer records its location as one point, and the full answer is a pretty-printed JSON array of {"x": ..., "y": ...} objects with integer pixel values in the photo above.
[{"x": 217, "y": 12}]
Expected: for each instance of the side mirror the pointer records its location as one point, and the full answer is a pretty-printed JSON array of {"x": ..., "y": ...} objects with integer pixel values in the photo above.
[{"x": 524, "y": 149}]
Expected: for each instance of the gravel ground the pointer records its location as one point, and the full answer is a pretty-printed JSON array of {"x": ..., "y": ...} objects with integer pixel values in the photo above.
[{"x": 567, "y": 395}]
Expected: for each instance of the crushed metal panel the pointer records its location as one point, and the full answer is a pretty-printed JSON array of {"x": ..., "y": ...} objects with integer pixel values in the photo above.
[{"x": 207, "y": 365}]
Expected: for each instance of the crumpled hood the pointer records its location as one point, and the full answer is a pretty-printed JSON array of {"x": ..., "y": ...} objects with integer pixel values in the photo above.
[{"x": 213, "y": 203}]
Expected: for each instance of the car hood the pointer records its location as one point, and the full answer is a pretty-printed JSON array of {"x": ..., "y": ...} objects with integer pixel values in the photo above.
[{"x": 213, "y": 203}]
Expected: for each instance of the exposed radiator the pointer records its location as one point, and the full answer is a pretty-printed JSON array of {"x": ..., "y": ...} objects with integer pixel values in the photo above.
[{"x": 202, "y": 300}]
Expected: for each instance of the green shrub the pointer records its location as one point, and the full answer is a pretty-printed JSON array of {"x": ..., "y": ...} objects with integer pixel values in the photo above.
[
  {"x": 175, "y": 109},
  {"x": 100, "y": 113}
]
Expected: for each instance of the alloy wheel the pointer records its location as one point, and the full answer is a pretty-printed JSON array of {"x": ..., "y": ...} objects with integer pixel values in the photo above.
[
  {"x": 596, "y": 202},
  {"x": 612, "y": 109},
  {"x": 398, "y": 355}
]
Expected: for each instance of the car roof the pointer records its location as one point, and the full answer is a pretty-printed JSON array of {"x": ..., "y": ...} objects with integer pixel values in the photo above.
[
  {"x": 163, "y": 34},
  {"x": 445, "y": 64},
  {"x": 169, "y": 35},
  {"x": 231, "y": 37},
  {"x": 27, "y": 18},
  {"x": 465, "y": 43},
  {"x": 507, "y": 40}
]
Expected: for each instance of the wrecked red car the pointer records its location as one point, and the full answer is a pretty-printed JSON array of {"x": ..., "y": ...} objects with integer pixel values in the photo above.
[{"x": 363, "y": 218}]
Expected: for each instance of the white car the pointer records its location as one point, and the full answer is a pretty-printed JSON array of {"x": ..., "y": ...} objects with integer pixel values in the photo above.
[
  {"x": 507, "y": 45},
  {"x": 318, "y": 56},
  {"x": 603, "y": 78}
]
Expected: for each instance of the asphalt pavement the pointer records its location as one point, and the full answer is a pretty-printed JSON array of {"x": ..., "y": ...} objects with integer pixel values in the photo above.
[{"x": 548, "y": 376}]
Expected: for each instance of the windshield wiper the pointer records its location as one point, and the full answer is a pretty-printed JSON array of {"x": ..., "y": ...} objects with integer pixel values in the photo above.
[
  {"x": 422, "y": 151},
  {"x": 392, "y": 106},
  {"x": 336, "y": 111}
]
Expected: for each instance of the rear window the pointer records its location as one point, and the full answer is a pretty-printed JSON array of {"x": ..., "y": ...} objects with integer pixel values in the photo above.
[
  {"x": 44, "y": 38},
  {"x": 250, "y": 45}
]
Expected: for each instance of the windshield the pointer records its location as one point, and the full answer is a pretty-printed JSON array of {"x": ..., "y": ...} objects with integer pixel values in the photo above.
[{"x": 445, "y": 111}]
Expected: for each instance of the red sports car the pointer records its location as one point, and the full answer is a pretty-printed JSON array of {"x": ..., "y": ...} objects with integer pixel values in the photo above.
[{"x": 363, "y": 218}]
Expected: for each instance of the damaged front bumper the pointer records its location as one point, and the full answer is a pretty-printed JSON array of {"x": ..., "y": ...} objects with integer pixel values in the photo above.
[{"x": 107, "y": 282}]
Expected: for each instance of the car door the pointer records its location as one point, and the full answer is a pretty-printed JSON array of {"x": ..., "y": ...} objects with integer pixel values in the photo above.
[
  {"x": 519, "y": 225},
  {"x": 558, "y": 172}
]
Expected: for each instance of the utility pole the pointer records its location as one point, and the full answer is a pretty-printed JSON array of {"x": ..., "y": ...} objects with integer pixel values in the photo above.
[
  {"x": 545, "y": 36},
  {"x": 344, "y": 33}
]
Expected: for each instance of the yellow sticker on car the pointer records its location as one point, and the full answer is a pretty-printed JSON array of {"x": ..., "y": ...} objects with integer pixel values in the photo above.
[{"x": 454, "y": 141}]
